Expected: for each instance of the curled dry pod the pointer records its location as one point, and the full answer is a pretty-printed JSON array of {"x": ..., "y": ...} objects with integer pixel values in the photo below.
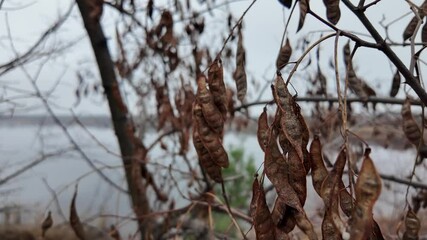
[
  {"x": 412, "y": 224},
  {"x": 368, "y": 189},
  {"x": 395, "y": 84},
  {"x": 329, "y": 193},
  {"x": 424, "y": 34},
  {"x": 355, "y": 83},
  {"x": 282, "y": 217},
  {"x": 289, "y": 122},
  {"x": 262, "y": 132},
  {"x": 305, "y": 225},
  {"x": 286, "y": 3},
  {"x": 297, "y": 175},
  {"x": 240, "y": 74},
  {"x": 75, "y": 222},
  {"x": 284, "y": 55},
  {"x": 217, "y": 86},
  {"x": 410, "y": 28},
  {"x": 347, "y": 53},
  {"x": 205, "y": 160},
  {"x": 333, "y": 12},
  {"x": 209, "y": 139},
  {"x": 410, "y": 126},
  {"x": 263, "y": 224},
  {"x": 303, "y": 8},
  {"x": 47, "y": 223},
  {"x": 318, "y": 169},
  {"x": 211, "y": 113}
]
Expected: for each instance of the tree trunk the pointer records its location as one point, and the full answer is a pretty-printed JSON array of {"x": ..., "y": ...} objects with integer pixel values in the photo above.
[{"x": 132, "y": 151}]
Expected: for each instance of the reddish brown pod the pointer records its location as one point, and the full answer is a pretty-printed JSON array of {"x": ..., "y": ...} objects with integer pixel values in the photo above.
[
  {"x": 211, "y": 114},
  {"x": 410, "y": 127}
]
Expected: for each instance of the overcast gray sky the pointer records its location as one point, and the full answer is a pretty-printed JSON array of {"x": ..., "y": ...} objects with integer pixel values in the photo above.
[{"x": 264, "y": 25}]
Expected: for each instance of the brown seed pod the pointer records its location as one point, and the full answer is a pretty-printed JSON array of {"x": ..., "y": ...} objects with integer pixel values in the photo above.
[
  {"x": 413, "y": 225},
  {"x": 75, "y": 222},
  {"x": 297, "y": 175},
  {"x": 290, "y": 123},
  {"x": 318, "y": 169},
  {"x": 395, "y": 84},
  {"x": 284, "y": 55},
  {"x": 329, "y": 193},
  {"x": 262, "y": 132},
  {"x": 333, "y": 12},
  {"x": 303, "y": 8},
  {"x": 368, "y": 189},
  {"x": 305, "y": 225},
  {"x": 286, "y": 3},
  {"x": 205, "y": 160},
  {"x": 263, "y": 223},
  {"x": 282, "y": 216},
  {"x": 424, "y": 35},
  {"x": 410, "y": 126},
  {"x": 211, "y": 113},
  {"x": 210, "y": 140},
  {"x": 239, "y": 74},
  {"x": 217, "y": 86},
  {"x": 47, "y": 223},
  {"x": 410, "y": 28}
]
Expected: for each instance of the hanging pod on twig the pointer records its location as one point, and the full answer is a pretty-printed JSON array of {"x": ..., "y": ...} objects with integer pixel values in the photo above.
[
  {"x": 210, "y": 111},
  {"x": 284, "y": 55},
  {"x": 263, "y": 224},
  {"x": 413, "y": 225},
  {"x": 217, "y": 86},
  {"x": 395, "y": 84},
  {"x": 333, "y": 12},
  {"x": 304, "y": 5},
  {"x": 410, "y": 126},
  {"x": 239, "y": 74}
]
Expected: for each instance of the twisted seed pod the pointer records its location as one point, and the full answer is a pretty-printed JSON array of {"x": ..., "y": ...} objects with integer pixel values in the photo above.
[
  {"x": 290, "y": 123},
  {"x": 424, "y": 34},
  {"x": 209, "y": 139},
  {"x": 211, "y": 113},
  {"x": 297, "y": 175},
  {"x": 75, "y": 222},
  {"x": 217, "y": 87},
  {"x": 412, "y": 224},
  {"x": 395, "y": 84},
  {"x": 318, "y": 169},
  {"x": 410, "y": 126},
  {"x": 284, "y": 55},
  {"x": 240, "y": 74},
  {"x": 333, "y": 12},
  {"x": 305, "y": 225},
  {"x": 410, "y": 28},
  {"x": 263, "y": 223},
  {"x": 368, "y": 189},
  {"x": 286, "y": 3},
  {"x": 206, "y": 162},
  {"x": 303, "y": 8},
  {"x": 282, "y": 216},
  {"x": 262, "y": 132}
]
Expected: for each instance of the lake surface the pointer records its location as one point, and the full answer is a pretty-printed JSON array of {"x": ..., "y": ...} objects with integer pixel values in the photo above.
[{"x": 22, "y": 143}]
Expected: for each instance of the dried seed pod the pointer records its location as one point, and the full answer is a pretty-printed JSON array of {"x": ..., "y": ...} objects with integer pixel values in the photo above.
[
  {"x": 424, "y": 35},
  {"x": 329, "y": 193},
  {"x": 333, "y": 12},
  {"x": 356, "y": 84},
  {"x": 211, "y": 113},
  {"x": 263, "y": 223},
  {"x": 262, "y": 132},
  {"x": 412, "y": 224},
  {"x": 318, "y": 169},
  {"x": 410, "y": 126},
  {"x": 239, "y": 74},
  {"x": 290, "y": 123},
  {"x": 217, "y": 86},
  {"x": 205, "y": 160},
  {"x": 303, "y": 8},
  {"x": 284, "y": 55},
  {"x": 209, "y": 139},
  {"x": 410, "y": 28},
  {"x": 286, "y": 3},
  {"x": 282, "y": 216},
  {"x": 297, "y": 175},
  {"x": 395, "y": 85},
  {"x": 75, "y": 222},
  {"x": 368, "y": 189},
  {"x": 47, "y": 223},
  {"x": 305, "y": 225}
]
